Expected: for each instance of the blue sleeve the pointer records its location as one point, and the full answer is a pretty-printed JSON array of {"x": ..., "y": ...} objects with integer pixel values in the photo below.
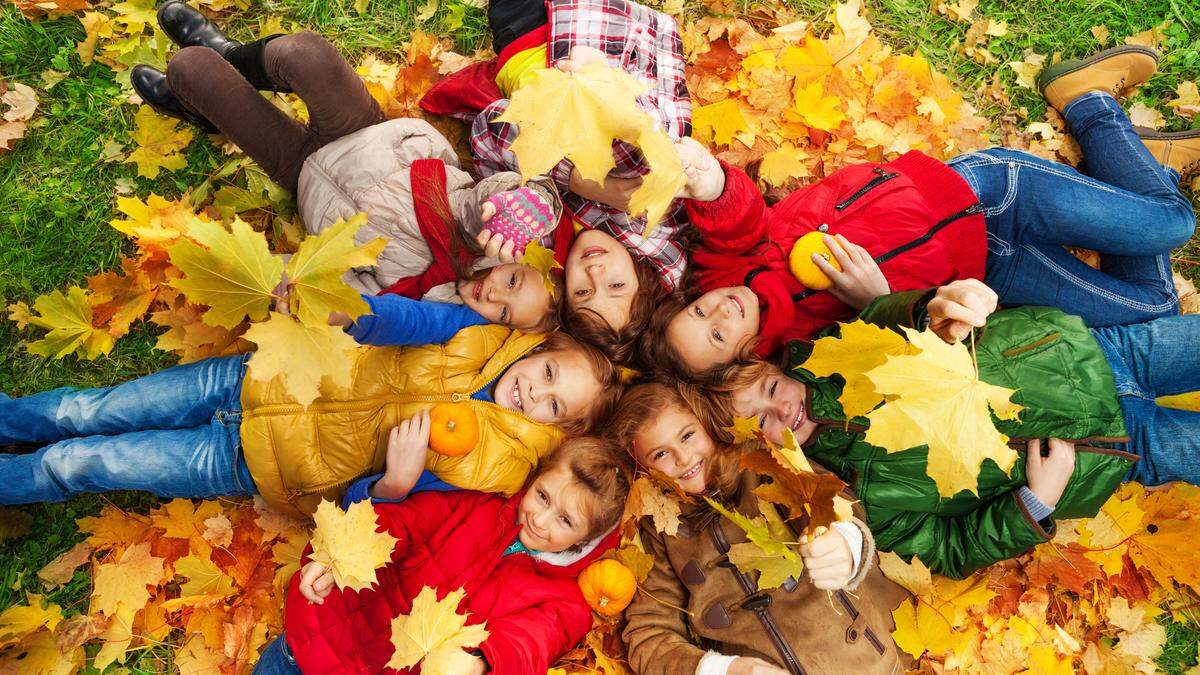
[
  {"x": 360, "y": 490},
  {"x": 397, "y": 320}
]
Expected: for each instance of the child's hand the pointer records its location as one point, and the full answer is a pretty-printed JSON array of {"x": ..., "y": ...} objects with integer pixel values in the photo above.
[
  {"x": 615, "y": 192},
  {"x": 495, "y": 246},
  {"x": 408, "y": 446},
  {"x": 1048, "y": 476},
  {"x": 580, "y": 58},
  {"x": 860, "y": 281},
  {"x": 746, "y": 665},
  {"x": 828, "y": 560},
  {"x": 959, "y": 307},
  {"x": 316, "y": 581},
  {"x": 705, "y": 177}
]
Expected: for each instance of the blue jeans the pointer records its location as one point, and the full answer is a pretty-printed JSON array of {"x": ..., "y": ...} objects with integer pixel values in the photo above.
[
  {"x": 1157, "y": 358},
  {"x": 1129, "y": 209},
  {"x": 174, "y": 433},
  {"x": 276, "y": 659}
]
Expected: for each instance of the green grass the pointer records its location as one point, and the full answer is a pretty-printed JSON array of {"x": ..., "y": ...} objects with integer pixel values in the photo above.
[{"x": 56, "y": 195}]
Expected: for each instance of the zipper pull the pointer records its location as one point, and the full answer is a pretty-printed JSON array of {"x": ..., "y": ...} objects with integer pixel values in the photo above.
[
  {"x": 456, "y": 397},
  {"x": 975, "y": 208}
]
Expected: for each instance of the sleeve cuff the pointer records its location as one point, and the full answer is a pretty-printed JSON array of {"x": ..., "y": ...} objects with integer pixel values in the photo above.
[
  {"x": 714, "y": 663},
  {"x": 561, "y": 174},
  {"x": 362, "y": 327},
  {"x": 1038, "y": 510},
  {"x": 854, "y": 538}
]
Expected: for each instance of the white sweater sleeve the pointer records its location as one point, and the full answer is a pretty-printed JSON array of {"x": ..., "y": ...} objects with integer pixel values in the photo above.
[
  {"x": 714, "y": 663},
  {"x": 854, "y": 538}
]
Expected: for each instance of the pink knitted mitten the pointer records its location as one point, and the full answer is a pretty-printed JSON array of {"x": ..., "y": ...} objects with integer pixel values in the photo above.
[{"x": 522, "y": 216}]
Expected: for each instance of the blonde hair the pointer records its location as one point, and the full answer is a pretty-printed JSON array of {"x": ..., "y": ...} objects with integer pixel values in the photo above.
[
  {"x": 644, "y": 403},
  {"x": 601, "y": 472}
]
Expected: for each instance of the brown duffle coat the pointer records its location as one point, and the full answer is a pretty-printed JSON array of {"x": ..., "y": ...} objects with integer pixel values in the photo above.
[{"x": 797, "y": 626}]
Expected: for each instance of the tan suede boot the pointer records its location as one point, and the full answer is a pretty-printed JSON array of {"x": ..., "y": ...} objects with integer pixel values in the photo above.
[
  {"x": 1115, "y": 70},
  {"x": 1179, "y": 150}
]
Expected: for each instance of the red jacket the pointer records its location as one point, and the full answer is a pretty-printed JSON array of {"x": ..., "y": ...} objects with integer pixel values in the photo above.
[
  {"x": 534, "y": 610},
  {"x": 917, "y": 217}
]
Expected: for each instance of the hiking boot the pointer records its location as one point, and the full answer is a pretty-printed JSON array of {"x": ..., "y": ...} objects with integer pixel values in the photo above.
[
  {"x": 1115, "y": 71},
  {"x": 151, "y": 85},
  {"x": 1178, "y": 150},
  {"x": 189, "y": 28}
]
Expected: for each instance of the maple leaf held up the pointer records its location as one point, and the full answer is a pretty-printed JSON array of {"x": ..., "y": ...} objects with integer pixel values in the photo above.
[
  {"x": 435, "y": 635},
  {"x": 348, "y": 544}
]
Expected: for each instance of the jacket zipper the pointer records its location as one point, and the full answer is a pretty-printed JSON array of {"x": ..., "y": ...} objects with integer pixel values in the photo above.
[
  {"x": 764, "y": 615},
  {"x": 880, "y": 178},
  {"x": 937, "y": 227}
]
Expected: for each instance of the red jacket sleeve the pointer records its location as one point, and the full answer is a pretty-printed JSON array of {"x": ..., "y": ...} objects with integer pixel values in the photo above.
[
  {"x": 734, "y": 222},
  {"x": 532, "y": 639},
  {"x": 419, "y": 516}
]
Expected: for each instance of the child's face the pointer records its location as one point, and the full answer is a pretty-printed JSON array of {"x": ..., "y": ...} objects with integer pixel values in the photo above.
[
  {"x": 552, "y": 514},
  {"x": 713, "y": 329},
  {"x": 550, "y": 387},
  {"x": 600, "y": 276},
  {"x": 510, "y": 295},
  {"x": 777, "y": 402},
  {"x": 676, "y": 444}
]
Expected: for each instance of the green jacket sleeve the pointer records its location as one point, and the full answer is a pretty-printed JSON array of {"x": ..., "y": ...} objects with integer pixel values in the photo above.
[
  {"x": 999, "y": 529},
  {"x": 906, "y": 308}
]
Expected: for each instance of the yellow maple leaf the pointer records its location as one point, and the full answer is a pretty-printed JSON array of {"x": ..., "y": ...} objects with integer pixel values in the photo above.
[
  {"x": 542, "y": 259},
  {"x": 315, "y": 272},
  {"x": 1118, "y": 519},
  {"x": 859, "y": 348},
  {"x": 19, "y": 621},
  {"x": 155, "y": 222},
  {"x": 1187, "y": 99},
  {"x": 125, "y": 581},
  {"x": 920, "y": 628},
  {"x": 182, "y": 518},
  {"x": 69, "y": 320},
  {"x": 158, "y": 141},
  {"x": 914, "y": 576},
  {"x": 435, "y": 635},
  {"x": 203, "y": 577},
  {"x": 807, "y": 61},
  {"x": 231, "y": 271},
  {"x": 662, "y": 183},
  {"x": 117, "y": 637},
  {"x": 936, "y": 399},
  {"x": 744, "y": 429},
  {"x": 1028, "y": 69},
  {"x": 1142, "y": 115},
  {"x": 348, "y": 544},
  {"x": 773, "y": 570},
  {"x": 41, "y": 655},
  {"x": 302, "y": 355},
  {"x": 114, "y": 527},
  {"x": 783, "y": 165},
  {"x": 720, "y": 121},
  {"x": 814, "y": 108}
]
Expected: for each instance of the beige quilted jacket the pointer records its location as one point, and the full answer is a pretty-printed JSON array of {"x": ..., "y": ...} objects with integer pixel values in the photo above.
[{"x": 368, "y": 172}]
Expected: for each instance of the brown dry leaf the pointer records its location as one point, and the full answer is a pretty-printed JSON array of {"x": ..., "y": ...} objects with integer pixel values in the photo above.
[
  {"x": 14, "y": 523},
  {"x": 807, "y": 496},
  {"x": 1187, "y": 99},
  {"x": 1101, "y": 33},
  {"x": 60, "y": 570},
  {"x": 648, "y": 499}
]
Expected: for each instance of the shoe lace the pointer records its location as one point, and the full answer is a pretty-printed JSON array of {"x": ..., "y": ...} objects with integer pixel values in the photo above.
[{"x": 1119, "y": 86}]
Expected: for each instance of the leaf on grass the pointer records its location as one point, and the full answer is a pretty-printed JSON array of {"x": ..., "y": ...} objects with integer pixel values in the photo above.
[
  {"x": 348, "y": 544},
  {"x": 1187, "y": 99},
  {"x": 14, "y": 523},
  {"x": 303, "y": 356},
  {"x": 859, "y": 348},
  {"x": 60, "y": 570},
  {"x": 315, "y": 272},
  {"x": 20, "y": 621},
  {"x": 68, "y": 318},
  {"x": 21, "y": 101},
  {"x": 435, "y": 635},
  {"x": 935, "y": 398},
  {"x": 125, "y": 582},
  {"x": 232, "y": 271},
  {"x": 158, "y": 142}
]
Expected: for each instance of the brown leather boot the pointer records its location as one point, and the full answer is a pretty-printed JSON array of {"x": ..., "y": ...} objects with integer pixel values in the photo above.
[
  {"x": 1115, "y": 70},
  {"x": 1179, "y": 150}
]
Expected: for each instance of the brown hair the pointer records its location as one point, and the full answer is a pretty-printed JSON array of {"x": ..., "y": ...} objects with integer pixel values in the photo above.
[
  {"x": 439, "y": 202},
  {"x": 735, "y": 378},
  {"x": 658, "y": 356},
  {"x": 620, "y": 345},
  {"x": 605, "y": 372},
  {"x": 604, "y": 473},
  {"x": 645, "y": 402}
]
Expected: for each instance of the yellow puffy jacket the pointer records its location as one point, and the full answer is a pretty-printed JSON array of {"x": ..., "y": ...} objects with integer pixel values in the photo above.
[{"x": 299, "y": 455}]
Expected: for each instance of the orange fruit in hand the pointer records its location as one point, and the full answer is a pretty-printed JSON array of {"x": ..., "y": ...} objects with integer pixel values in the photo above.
[
  {"x": 453, "y": 430},
  {"x": 801, "y": 264}
]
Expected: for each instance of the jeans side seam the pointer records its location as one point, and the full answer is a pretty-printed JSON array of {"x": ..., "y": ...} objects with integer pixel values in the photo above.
[
  {"x": 1118, "y": 299},
  {"x": 1100, "y": 185},
  {"x": 1012, "y": 176}
]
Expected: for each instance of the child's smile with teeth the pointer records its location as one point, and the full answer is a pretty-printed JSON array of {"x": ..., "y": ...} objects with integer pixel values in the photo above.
[{"x": 676, "y": 444}]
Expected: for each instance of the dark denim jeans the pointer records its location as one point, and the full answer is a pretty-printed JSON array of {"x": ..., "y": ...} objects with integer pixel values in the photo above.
[
  {"x": 174, "y": 433},
  {"x": 276, "y": 659},
  {"x": 1129, "y": 209},
  {"x": 1151, "y": 359}
]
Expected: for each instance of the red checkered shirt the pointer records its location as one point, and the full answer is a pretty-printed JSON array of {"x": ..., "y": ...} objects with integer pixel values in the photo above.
[{"x": 645, "y": 43}]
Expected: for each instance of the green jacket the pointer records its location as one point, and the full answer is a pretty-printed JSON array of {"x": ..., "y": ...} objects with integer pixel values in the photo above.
[{"x": 1063, "y": 380}]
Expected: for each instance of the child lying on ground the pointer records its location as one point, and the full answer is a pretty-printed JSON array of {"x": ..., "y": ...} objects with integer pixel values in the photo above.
[
  {"x": 517, "y": 558},
  {"x": 402, "y": 173},
  {"x": 998, "y": 215},
  {"x": 203, "y": 429},
  {"x": 694, "y": 594},
  {"x": 1089, "y": 423},
  {"x": 529, "y": 35}
]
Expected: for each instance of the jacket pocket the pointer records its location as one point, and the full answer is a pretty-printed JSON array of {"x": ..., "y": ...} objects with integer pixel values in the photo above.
[
  {"x": 1041, "y": 344},
  {"x": 881, "y": 176}
]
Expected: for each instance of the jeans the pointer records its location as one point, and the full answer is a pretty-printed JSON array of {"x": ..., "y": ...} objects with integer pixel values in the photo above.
[
  {"x": 338, "y": 101},
  {"x": 174, "y": 433},
  {"x": 1151, "y": 359},
  {"x": 276, "y": 659},
  {"x": 1129, "y": 209}
]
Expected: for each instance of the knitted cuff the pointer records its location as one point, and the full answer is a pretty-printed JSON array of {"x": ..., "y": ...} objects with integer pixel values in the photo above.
[{"x": 1036, "y": 508}]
